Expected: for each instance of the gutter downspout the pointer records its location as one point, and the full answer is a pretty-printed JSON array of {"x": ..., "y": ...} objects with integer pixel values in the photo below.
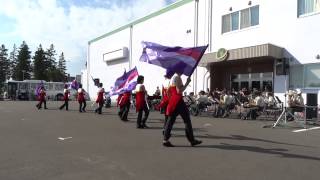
[
  {"x": 88, "y": 68},
  {"x": 195, "y": 77},
  {"x": 130, "y": 47}
]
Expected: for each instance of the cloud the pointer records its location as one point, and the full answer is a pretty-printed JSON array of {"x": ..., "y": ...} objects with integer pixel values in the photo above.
[{"x": 69, "y": 25}]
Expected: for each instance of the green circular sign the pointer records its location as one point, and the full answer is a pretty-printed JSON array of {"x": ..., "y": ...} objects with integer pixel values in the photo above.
[{"x": 222, "y": 54}]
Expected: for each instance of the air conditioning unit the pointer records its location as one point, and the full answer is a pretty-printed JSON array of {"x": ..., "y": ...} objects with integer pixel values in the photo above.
[{"x": 117, "y": 54}]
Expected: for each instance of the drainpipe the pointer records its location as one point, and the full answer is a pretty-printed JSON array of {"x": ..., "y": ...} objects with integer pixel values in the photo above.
[
  {"x": 195, "y": 77},
  {"x": 204, "y": 80},
  {"x": 130, "y": 47},
  {"x": 210, "y": 26},
  {"x": 88, "y": 68}
]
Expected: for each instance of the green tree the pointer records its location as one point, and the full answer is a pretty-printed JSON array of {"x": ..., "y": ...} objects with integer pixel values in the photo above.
[
  {"x": 62, "y": 67},
  {"x": 23, "y": 68},
  {"x": 39, "y": 64},
  {"x": 51, "y": 63},
  {"x": 4, "y": 64},
  {"x": 13, "y": 58}
]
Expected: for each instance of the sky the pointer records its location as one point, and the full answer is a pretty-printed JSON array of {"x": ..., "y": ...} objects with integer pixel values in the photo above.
[{"x": 68, "y": 24}]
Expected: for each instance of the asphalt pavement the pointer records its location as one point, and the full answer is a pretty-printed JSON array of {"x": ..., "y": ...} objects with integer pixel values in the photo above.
[{"x": 67, "y": 145}]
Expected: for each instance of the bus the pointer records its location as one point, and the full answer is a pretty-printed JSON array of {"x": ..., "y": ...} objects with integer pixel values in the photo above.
[{"x": 25, "y": 90}]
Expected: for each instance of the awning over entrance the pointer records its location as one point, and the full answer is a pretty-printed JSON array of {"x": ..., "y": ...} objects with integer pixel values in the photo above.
[{"x": 264, "y": 50}]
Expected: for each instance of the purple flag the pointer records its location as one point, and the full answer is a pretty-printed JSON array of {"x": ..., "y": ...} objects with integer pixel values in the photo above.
[
  {"x": 125, "y": 83},
  {"x": 38, "y": 88},
  {"x": 74, "y": 85},
  {"x": 173, "y": 59}
]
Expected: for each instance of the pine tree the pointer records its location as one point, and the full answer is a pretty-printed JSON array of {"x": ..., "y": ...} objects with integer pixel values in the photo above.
[
  {"x": 13, "y": 58},
  {"x": 51, "y": 63},
  {"x": 62, "y": 67},
  {"x": 39, "y": 64},
  {"x": 23, "y": 68},
  {"x": 4, "y": 64}
]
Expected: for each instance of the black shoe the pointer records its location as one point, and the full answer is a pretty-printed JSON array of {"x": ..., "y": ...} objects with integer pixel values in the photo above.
[
  {"x": 195, "y": 142},
  {"x": 145, "y": 126},
  {"x": 167, "y": 144},
  {"x": 139, "y": 127},
  {"x": 83, "y": 110},
  {"x": 80, "y": 111},
  {"x": 124, "y": 120},
  {"x": 45, "y": 108}
]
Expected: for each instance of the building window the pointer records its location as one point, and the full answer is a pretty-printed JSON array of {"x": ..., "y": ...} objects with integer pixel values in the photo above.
[
  {"x": 245, "y": 18},
  {"x": 235, "y": 21},
  {"x": 308, "y": 7}
]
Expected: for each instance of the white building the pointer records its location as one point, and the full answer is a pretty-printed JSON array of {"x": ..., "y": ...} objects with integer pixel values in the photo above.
[{"x": 255, "y": 33}]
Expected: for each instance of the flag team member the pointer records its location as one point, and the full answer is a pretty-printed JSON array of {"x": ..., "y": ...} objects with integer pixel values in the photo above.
[
  {"x": 165, "y": 99},
  {"x": 124, "y": 104},
  {"x": 66, "y": 94},
  {"x": 100, "y": 99},
  {"x": 141, "y": 104},
  {"x": 176, "y": 106},
  {"x": 42, "y": 99},
  {"x": 81, "y": 99}
]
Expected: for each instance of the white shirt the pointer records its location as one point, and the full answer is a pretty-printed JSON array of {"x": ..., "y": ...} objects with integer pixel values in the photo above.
[
  {"x": 80, "y": 90},
  {"x": 203, "y": 99},
  {"x": 259, "y": 101}
]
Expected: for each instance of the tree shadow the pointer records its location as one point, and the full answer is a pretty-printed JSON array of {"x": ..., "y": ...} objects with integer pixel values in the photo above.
[{"x": 256, "y": 149}]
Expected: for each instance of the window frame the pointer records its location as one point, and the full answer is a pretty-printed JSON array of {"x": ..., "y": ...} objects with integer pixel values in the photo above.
[{"x": 239, "y": 14}]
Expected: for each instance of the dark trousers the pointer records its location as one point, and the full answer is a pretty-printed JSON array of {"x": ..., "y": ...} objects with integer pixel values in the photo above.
[
  {"x": 183, "y": 111},
  {"x": 65, "y": 104},
  {"x": 39, "y": 105},
  {"x": 141, "y": 122},
  {"x": 124, "y": 111},
  {"x": 99, "y": 109},
  {"x": 82, "y": 106}
]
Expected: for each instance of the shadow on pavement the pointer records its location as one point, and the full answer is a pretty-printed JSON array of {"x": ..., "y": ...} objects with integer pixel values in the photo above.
[{"x": 275, "y": 151}]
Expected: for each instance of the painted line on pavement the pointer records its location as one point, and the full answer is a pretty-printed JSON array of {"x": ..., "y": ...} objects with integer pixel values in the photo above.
[{"x": 302, "y": 130}]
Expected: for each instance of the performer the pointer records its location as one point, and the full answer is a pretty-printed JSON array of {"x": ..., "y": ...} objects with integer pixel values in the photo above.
[
  {"x": 165, "y": 99},
  {"x": 42, "y": 98},
  {"x": 141, "y": 103},
  {"x": 124, "y": 104},
  {"x": 81, "y": 99},
  {"x": 177, "y": 106},
  {"x": 66, "y": 95},
  {"x": 100, "y": 99}
]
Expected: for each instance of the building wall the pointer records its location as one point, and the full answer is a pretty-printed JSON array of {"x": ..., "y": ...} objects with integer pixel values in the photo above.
[
  {"x": 106, "y": 72},
  {"x": 278, "y": 25}
]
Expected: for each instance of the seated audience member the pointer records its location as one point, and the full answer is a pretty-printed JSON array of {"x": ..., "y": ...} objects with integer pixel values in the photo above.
[{"x": 295, "y": 103}]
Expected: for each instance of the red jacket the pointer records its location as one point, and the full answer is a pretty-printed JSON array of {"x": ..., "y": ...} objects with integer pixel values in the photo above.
[
  {"x": 165, "y": 99},
  {"x": 140, "y": 100},
  {"x": 174, "y": 99},
  {"x": 100, "y": 96},
  {"x": 66, "y": 95},
  {"x": 42, "y": 95},
  {"x": 125, "y": 99},
  {"x": 81, "y": 95}
]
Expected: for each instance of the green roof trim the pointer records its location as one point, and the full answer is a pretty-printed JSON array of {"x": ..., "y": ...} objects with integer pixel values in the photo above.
[{"x": 154, "y": 14}]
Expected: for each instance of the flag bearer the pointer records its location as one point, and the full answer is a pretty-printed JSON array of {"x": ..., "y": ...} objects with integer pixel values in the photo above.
[
  {"x": 100, "y": 99},
  {"x": 165, "y": 99},
  {"x": 176, "y": 106},
  {"x": 141, "y": 103},
  {"x": 42, "y": 98},
  {"x": 81, "y": 99},
  {"x": 124, "y": 104},
  {"x": 66, "y": 94}
]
